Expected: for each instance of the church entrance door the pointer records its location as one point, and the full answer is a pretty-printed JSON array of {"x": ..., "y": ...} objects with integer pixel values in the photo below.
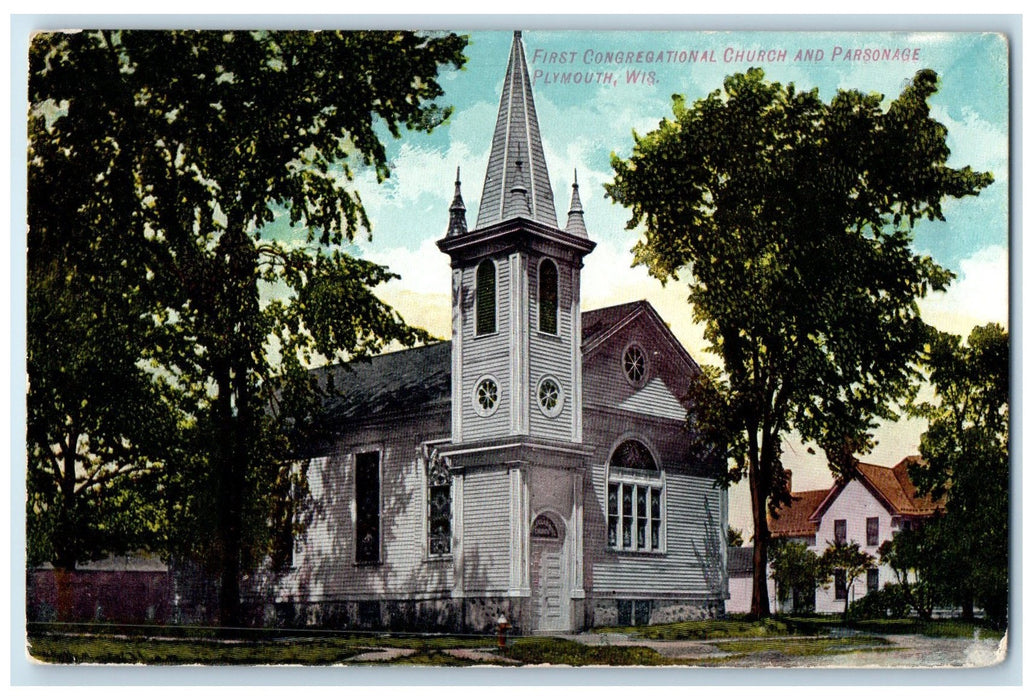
[{"x": 550, "y": 591}]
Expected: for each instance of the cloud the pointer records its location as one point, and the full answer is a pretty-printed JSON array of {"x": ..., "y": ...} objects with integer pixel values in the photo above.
[{"x": 978, "y": 296}]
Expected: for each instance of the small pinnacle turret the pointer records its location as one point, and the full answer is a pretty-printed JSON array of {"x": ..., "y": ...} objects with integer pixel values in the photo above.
[
  {"x": 457, "y": 212},
  {"x": 576, "y": 215}
]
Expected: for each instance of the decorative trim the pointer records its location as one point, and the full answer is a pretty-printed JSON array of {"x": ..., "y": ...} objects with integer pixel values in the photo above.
[
  {"x": 643, "y": 378},
  {"x": 555, "y": 392},
  {"x": 518, "y": 416},
  {"x": 478, "y": 408},
  {"x": 457, "y": 355},
  {"x": 576, "y": 417},
  {"x": 458, "y": 558}
]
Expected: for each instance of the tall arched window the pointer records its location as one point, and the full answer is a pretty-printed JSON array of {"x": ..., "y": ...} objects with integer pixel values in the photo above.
[
  {"x": 634, "y": 500},
  {"x": 548, "y": 296},
  {"x": 486, "y": 297}
]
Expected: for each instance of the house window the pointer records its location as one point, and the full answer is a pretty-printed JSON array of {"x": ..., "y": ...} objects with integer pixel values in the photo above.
[
  {"x": 634, "y": 364},
  {"x": 548, "y": 297},
  {"x": 486, "y": 297},
  {"x": 840, "y": 576},
  {"x": 840, "y": 531},
  {"x": 873, "y": 532},
  {"x": 873, "y": 580},
  {"x": 634, "y": 500},
  {"x": 550, "y": 397},
  {"x": 367, "y": 507},
  {"x": 439, "y": 506}
]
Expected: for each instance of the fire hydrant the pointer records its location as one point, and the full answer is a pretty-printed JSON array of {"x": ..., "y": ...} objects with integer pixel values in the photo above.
[{"x": 503, "y": 626}]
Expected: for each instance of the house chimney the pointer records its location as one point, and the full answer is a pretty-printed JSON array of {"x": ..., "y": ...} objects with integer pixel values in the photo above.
[{"x": 789, "y": 479}]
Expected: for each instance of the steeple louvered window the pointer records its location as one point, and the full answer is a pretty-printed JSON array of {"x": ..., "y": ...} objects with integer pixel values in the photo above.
[
  {"x": 486, "y": 298},
  {"x": 548, "y": 297}
]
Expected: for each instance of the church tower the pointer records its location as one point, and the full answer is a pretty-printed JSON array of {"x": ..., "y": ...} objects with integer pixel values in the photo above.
[{"x": 516, "y": 316}]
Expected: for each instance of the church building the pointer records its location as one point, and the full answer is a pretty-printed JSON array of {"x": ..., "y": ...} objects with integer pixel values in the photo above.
[{"x": 537, "y": 466}]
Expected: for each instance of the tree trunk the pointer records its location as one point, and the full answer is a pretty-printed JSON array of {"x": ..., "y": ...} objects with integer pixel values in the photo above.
[
  {"x": 229, "y": 516},
  {"x": 759, "y": 606}
]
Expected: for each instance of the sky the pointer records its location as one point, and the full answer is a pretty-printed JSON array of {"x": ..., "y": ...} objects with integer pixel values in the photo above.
[{"x": 593, "y": 89}]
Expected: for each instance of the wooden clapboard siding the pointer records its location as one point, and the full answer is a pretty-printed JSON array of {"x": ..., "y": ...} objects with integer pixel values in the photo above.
[
  {"x": 688, "y": 567},
  {"x": 486, "y": 531},
  {"x": 483, "y": 355},
  {"x": 550, "y": 356},
  {"x": 324, "y": 560},
  {"x": 654, "y": 399}
]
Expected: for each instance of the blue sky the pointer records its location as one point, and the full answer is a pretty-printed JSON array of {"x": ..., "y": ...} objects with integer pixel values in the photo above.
[{"x": 584, "y": 120}]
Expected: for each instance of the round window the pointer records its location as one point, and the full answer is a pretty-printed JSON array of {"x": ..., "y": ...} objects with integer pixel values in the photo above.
[
  {"x": 550, "y": 397},
  {"x": 634, "y": 363},
  {"x": 486, "y": 396}
]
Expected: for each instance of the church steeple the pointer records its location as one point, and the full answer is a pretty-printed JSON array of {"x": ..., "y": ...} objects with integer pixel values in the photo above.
[
  {"x": 457, "y": 212},
  {"x": 517, "y": 159},
  {"x": 576, "y": 215}
]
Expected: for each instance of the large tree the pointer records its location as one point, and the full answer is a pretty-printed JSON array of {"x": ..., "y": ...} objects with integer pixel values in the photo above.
[
  {"x": 792, "y": 220},
  {"x": 219, "y": 134},
  {"x": 963, "y": 553}
]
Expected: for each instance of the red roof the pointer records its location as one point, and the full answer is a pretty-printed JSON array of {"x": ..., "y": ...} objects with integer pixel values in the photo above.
[
  {"x": 891, "y": 485},
  {"x": 794, "y": 520}
]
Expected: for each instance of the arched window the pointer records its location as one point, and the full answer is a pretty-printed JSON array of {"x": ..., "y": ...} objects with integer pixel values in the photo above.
[
  {"x": 548, "y": 297},
  {"x": 486, "y": 297},
  {"x": 634, "y": 500}
]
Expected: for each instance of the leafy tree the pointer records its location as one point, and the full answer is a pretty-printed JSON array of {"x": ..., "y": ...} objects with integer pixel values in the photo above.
[
  {"x": 793, "y": 220},
  {"x": 794, "y": 567},
  {"x": 734, "y": 537},
  {"x": 920, "y": 572},
  {"x": 98, "y": 423},
  {"x": 851, "y": 560},
  {"x": 219, "y": 134},
  {"x": 964, "y": 553}
]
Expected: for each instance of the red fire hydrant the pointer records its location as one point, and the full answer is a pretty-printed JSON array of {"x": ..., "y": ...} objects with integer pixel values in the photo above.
[{"x": 503, "y": 626}]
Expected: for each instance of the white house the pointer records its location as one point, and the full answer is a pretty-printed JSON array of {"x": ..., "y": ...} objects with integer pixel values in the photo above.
[
  {"x": 536, "y": 466},
  {"x": 868, "y": 510}
]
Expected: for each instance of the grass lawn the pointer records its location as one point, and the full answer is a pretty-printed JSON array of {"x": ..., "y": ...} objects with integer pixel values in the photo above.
[{"x": 707, "y": 629}]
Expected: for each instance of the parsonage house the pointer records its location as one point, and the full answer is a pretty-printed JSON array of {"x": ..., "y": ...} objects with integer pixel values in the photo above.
[
  {"x": 536, "y": 467},
  {"x": 869, "y": 510}
]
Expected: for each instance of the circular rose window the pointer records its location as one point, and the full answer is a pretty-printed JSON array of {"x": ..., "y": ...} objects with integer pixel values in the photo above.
[
  {"x": 486, "y": 396},
  {"x": 550, "y": 397},
  {"x": 634, "y": 363}
]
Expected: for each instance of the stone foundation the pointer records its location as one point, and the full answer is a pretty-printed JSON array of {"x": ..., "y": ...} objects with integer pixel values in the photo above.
[
  {"x": 477, "y": 615},
  {"x": 622, "y": 612}
]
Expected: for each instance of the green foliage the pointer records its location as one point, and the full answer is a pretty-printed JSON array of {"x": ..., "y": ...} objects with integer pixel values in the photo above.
[
  {"x": 734, "y": 537},
  {"x": 795, "y": 567},
  {"x": 792, "y": 221},
  {"x": 169, "y": 154},
  {"x": 962, "y": 556},
  {"x": 851, "y": 560},
  {"x": 704, "y": 629},
  {"x": 890, "y": 601}
]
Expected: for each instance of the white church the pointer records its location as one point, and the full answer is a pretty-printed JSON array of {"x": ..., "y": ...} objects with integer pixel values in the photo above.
[{"x": 536, "y": 466}]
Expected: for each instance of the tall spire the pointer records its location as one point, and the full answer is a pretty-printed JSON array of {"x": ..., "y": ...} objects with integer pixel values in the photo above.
[
  {"x": 516, "y": 138},
  {"x": 576, "y": 215},
  {"x": 457, "y": 212}
]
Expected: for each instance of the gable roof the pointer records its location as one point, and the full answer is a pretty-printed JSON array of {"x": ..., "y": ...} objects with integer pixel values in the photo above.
[
  {"x": 420, "y": 378},
  {"x": 794, "y": 520},
  {"x": 890, "y": 485},
  {"x": 599, "y": 325}
]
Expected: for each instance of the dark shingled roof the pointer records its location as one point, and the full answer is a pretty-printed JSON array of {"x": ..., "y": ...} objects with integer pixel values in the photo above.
[
  {"x": 407, "y": 380},
  {"x": 599, "y": 321},
  {"x": 740, "y": 561},
  {"x": 420, "y": 378}
]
